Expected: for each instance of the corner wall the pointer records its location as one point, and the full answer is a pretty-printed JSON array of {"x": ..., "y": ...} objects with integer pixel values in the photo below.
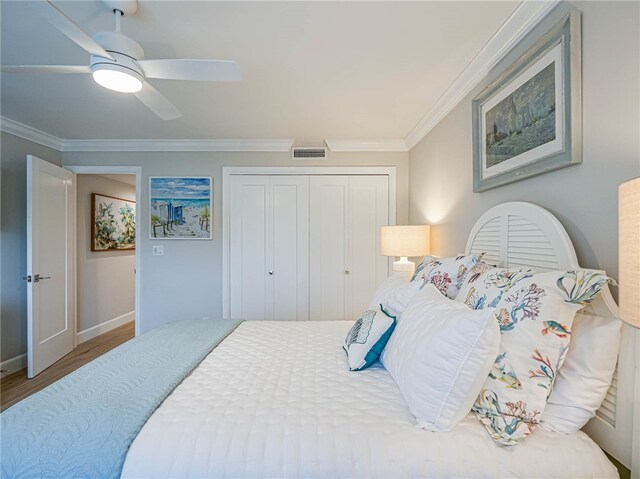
[
  {"x": 582, "y": 197},
  {"x": 106, "y": 279}
]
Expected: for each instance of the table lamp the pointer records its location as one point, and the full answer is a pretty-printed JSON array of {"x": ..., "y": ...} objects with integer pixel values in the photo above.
[
  {"x": 404, "y": 241},
  {"x": 629, "y": 251},
  {"x": 629, "y": 281}
]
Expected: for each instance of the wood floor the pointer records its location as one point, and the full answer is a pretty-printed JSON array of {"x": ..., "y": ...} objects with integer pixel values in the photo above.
[{"x": 16, "y": 386}]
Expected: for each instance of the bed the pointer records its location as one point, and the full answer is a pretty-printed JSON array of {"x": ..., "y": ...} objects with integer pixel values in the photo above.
[{"x": 276, "y": 399}]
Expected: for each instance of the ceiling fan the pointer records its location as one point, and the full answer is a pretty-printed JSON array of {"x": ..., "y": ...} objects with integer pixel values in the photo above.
[{"x": 117, "y": 62}]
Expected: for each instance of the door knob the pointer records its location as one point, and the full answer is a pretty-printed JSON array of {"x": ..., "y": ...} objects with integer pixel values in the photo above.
[
  {"x": 346, "y": 271},
  {"x": 271, "y": 273}
]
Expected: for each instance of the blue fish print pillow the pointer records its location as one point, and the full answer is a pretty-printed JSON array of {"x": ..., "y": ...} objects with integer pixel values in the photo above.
[{"x": 535, "y": 315}]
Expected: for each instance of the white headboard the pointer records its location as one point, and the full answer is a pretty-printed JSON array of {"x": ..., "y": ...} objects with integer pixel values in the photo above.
[{"x": 519, "y": 234}]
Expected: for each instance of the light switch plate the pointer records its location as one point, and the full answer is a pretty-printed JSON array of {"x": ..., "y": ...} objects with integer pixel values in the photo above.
[{"x": 158, "y": 250}]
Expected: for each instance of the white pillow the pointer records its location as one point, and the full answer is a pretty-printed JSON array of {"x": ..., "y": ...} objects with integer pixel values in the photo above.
[
  {"x": 394, "y": 294},
  {"x": 585, "y": 376},
  {"x": 368, "y": 337},
  {"x": 387, "y": 290},
  {"x": 440, "y": 355}
]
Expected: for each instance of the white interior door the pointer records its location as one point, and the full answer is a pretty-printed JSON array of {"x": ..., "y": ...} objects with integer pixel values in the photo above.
[
  {"x": 51, "y": 296},
  {"x": 368, "y": 211},
  {"x": 248, "y": 274},
  {"x": 328, "y": 271},
  {"x": 288, "y": 258}
]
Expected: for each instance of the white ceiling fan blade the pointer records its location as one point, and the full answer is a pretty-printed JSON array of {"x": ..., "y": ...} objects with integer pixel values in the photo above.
[
  {"x": 194, "y": 70},
  {"x": 63, "y": 23},
  {"x": 73, "y": 69},
  {"x": 157, "y": 103}
]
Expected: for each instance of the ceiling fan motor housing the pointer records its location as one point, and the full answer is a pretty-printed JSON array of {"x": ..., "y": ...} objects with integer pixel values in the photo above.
[{"x": 123, "y": 49}]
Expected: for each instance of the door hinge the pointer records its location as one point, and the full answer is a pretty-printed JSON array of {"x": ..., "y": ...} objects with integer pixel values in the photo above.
[{"x": 27, "y": 278}]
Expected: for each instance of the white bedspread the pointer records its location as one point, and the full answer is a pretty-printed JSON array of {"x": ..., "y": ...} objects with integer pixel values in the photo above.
[{"x": 277, "y": 399}]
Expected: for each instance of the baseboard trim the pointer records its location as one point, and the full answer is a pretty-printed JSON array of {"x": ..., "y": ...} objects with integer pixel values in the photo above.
[
  {"x": 105, "y": 327},
  {"x": 13, "y": 365}
]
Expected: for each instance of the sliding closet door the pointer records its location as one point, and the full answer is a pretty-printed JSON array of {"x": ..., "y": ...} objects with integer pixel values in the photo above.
[
  {"x": 249, "y": 198},
  {"x": 368, "y": 210},
  {"x": 328, "y": 273},
  {"x": 288, "y": 258}
]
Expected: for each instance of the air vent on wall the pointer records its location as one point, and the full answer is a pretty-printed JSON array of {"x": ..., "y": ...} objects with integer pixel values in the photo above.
[{"x": 309, "y": 153}]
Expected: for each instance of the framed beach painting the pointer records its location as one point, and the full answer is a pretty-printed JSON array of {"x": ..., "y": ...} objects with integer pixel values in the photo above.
[
  {"x": 113, "y": 223},
  {"x": 528, "y": 121},
  {"x": 180, "y": 207}
]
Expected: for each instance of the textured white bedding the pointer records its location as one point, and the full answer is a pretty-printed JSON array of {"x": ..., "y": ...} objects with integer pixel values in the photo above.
[{"x": 277, "y": 399}]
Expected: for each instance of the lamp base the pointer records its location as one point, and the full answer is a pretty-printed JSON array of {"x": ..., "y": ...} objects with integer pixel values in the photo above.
[{"x": 404, "y": 268}]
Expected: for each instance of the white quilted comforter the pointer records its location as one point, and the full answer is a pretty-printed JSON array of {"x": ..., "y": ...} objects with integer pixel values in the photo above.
[{"x": 277, "y": 399}]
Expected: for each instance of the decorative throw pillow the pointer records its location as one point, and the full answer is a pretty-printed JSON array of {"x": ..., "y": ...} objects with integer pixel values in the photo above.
[
  {"x": 367, "y": 338},
  {"x": 426, "y": 261},
  {"x": 439, "y": 356},
  {"x": 535, "y": 317},
  {"x": 448, "y": 274},
  {"x": 484, "y": 286},
  {"x": 585, "y": 377}
]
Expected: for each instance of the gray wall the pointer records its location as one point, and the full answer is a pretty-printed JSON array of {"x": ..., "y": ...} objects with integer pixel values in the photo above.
[
  {"x": 583, "y": 197},
  {"x": 13, "y": 253},
  {"x": 187, "y": 281},
  {"x": 106, "y": 279}
]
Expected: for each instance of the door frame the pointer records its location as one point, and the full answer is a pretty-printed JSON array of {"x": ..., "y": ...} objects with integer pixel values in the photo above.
[
  {"x": 124, "y": 170},
  {"x": 228, "y": 171}
]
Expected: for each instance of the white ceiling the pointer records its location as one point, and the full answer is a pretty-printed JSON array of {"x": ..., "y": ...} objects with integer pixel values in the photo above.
[{"x": 311, "y": 70}]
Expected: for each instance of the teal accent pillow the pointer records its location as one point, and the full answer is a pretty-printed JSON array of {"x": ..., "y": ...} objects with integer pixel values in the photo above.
[{"x": 367, "y": 338}]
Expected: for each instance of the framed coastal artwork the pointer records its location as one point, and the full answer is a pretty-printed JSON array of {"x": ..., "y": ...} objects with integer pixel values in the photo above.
[
  {"x": 180, "y": 207},
  {"x": 528, "y": 121},
  {"x": 113, "y": 225}
]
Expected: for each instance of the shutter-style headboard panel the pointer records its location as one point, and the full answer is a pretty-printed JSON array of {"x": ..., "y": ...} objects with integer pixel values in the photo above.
[{"x": 519, "y": 234}]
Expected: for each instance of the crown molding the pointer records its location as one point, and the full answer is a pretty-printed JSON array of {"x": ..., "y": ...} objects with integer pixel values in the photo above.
[
  {"x": 177, "y": 145},
  {"x": 29, "y": 133},
  {"x": 526, "y": 16},
  {"x": 366, "y": 145}
]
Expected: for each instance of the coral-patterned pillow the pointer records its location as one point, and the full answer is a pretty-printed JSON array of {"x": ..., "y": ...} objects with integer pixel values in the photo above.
[
  {"x": 535, "y": 317},
  {"x": 484, "y": 286},
  {"x": 448, "y": 274}
]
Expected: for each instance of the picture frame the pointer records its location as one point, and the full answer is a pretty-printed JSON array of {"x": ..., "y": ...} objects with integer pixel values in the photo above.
[
  {"x": 528, "y": 121},
  {"x": 113, "y": 223},
  {"x": 180, "y": 207}
]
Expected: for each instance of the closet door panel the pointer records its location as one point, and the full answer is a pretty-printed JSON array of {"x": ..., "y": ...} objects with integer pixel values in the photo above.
[
  {"x": 328, "y": 247},
  {"x": 248, "y": 246},
  {"x": 289, "y": 263},
  {"x": 368, "y": 211}
]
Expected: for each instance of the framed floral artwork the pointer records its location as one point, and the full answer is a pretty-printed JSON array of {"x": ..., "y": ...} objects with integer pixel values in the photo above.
[{"x": 113, "y": 225}]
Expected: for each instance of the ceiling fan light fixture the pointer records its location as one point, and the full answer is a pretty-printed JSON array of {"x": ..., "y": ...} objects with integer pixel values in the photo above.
[{"x": 116, "y": 78}]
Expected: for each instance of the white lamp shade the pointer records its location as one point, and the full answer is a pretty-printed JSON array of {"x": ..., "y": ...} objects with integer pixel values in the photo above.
[
  {"x": 629, "y": 251},
  {"x": 407, "y": 241}
]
